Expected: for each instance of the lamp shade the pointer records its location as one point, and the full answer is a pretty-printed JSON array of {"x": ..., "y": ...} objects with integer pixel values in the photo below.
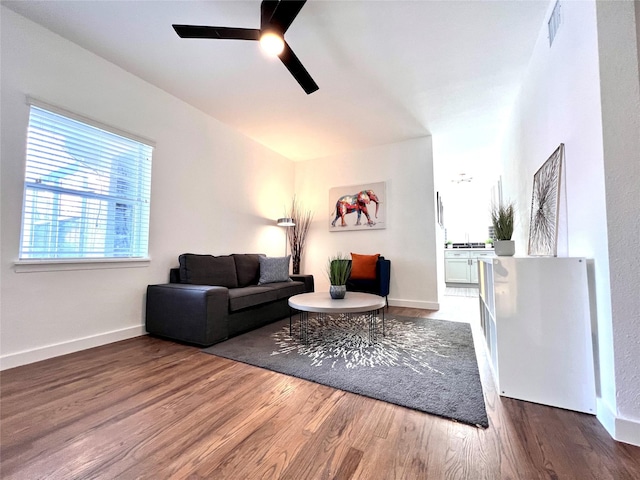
[{"x": 286, "y": 222}]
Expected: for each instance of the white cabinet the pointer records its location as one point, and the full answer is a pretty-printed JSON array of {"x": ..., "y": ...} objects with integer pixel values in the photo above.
[
  {"x": 536, "y": 319},
  {"x": 456, "y": 267},
  {"x": 461, "y": 266}
]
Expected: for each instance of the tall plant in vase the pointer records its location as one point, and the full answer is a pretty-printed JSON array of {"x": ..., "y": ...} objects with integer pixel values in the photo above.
[
  {"x": 502, "y": 218},
  {"x": 338, "y": 270},
  {"x": 297, "y": 234}
]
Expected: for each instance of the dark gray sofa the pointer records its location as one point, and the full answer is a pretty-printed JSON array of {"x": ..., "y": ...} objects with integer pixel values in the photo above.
[{"x": 210, "y": 299}]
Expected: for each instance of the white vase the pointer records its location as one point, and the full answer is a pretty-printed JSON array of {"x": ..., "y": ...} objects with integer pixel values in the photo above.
[
  {"x": 337, "y": 292},
  {"x": 504, "y": 248}
]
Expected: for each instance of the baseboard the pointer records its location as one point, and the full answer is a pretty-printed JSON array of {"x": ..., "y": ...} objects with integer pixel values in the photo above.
[
  {"x": 396, "y": 302},
  {"x": 621, "y": 429},
  {"x": 49, "y": 351}
]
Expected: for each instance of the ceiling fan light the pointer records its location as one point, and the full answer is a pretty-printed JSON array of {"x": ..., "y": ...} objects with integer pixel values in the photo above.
[{"x": 272, "y": 43}]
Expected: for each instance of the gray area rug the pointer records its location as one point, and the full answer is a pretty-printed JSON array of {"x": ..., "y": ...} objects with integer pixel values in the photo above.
[{"x": 424, "y": 364}]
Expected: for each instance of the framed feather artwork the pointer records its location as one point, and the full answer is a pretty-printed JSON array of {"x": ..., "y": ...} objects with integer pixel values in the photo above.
[{"x": 545, "y": 206}]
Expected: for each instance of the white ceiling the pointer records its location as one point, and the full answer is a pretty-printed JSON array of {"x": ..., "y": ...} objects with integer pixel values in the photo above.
[{"x": 387, "y": 70}]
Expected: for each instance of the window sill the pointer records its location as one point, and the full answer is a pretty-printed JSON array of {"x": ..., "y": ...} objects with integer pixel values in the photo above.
[{"x": 53, "y": 265}]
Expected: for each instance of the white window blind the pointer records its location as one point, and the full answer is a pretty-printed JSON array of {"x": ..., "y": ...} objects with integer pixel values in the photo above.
[{"x": 87, "y": 191}]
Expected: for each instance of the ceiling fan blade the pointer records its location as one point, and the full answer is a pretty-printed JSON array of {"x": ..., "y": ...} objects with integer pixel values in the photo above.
[
  {"x": 279, "y": 14},
  {"x": 201, "y": 31},
  {"x": 297, "y": 70},
  {"x": 267, "y": 7}
]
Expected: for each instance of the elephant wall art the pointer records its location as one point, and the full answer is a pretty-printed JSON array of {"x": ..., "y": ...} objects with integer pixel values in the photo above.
[{"x": 352, "y": 207}]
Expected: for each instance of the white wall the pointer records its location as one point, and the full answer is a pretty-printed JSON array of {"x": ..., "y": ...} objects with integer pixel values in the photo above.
[
  {"x": 559, "y": 102},
  {"x": 213, "y": 191},
  {"x": 409, "y": 240},
  {"x": 620, "y": 95}
]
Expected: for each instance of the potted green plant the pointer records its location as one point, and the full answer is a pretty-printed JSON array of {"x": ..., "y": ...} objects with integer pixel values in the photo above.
[
  {"x": 448, "y": 244},
  {"x": 488, "y": 243},
  {"x": 502, "y": 218},
  {"x": 338, "y": 270}
]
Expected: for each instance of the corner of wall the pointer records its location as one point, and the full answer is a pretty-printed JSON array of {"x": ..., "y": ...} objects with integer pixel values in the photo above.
[{"x": 621, "y": 429}]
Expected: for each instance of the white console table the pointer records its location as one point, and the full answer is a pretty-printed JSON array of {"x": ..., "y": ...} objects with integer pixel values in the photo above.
[{"x": 536, "y": 320}]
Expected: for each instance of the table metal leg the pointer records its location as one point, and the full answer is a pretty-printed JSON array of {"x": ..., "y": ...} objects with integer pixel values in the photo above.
[
  {"x": 375, "y": 325},
  {"x": 372, "y": 318},
  {"x": 304, "y": 327}
]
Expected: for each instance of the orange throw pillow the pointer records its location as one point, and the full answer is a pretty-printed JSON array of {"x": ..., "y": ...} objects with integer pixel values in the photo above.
[{"x": 363, "y": 267}]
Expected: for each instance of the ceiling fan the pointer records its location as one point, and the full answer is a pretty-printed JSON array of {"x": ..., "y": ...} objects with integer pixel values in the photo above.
[{"x": 275, "y": 18}]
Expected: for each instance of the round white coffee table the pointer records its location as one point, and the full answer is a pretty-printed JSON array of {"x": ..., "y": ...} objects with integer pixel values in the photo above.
[{"x": 321, "y": 303}]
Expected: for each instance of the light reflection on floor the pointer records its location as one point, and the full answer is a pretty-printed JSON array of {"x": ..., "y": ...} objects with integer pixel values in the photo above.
[{"x": 459, "y": 305}]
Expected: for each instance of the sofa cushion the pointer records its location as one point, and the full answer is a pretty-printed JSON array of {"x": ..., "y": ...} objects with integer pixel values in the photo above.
[
  {"x": 247, "y": 268},
  {"x": 208, "y": 270},
  {"x": 246, "y": 297},
  {"x": 362, "y": 285},
  {"x": 287, "y": 289},
  {"x": 274, "y": 269}
]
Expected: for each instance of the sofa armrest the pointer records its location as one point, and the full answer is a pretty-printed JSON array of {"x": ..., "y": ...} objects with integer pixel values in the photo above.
[
  {"x": 384, "y": 276},
  {"x": 307, "y": 280},
  {"x": 195, "y": 314}
]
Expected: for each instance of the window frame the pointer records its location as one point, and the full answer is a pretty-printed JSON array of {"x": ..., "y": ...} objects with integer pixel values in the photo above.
[{"x": 81, "y": 263}]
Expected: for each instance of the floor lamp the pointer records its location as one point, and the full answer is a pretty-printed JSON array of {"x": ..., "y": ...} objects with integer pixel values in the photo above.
[{"x": 286, "y": 222}]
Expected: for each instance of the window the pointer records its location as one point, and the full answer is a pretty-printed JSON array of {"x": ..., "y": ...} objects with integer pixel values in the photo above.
[
  {"x": 86, "y": 191},
  {"x": 554, "y": 22}
]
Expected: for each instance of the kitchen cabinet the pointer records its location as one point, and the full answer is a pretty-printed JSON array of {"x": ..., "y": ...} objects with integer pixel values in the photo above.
[
  {"x": 535, "y": 315},
  {"x": 461, "y": 265}
]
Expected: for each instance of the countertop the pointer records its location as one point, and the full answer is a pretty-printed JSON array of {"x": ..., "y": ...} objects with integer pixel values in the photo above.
[{"x": 481, "y": 249}]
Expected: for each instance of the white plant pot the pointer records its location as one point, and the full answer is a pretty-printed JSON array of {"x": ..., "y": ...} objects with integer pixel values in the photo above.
[{"x": 504, "y": 248}]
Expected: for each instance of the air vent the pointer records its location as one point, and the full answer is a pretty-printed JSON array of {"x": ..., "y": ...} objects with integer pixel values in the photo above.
[{"x": 554, "y": 22}]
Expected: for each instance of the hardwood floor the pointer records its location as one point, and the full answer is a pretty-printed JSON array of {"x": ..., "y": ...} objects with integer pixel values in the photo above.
[{"x": 148, "y": 408}]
